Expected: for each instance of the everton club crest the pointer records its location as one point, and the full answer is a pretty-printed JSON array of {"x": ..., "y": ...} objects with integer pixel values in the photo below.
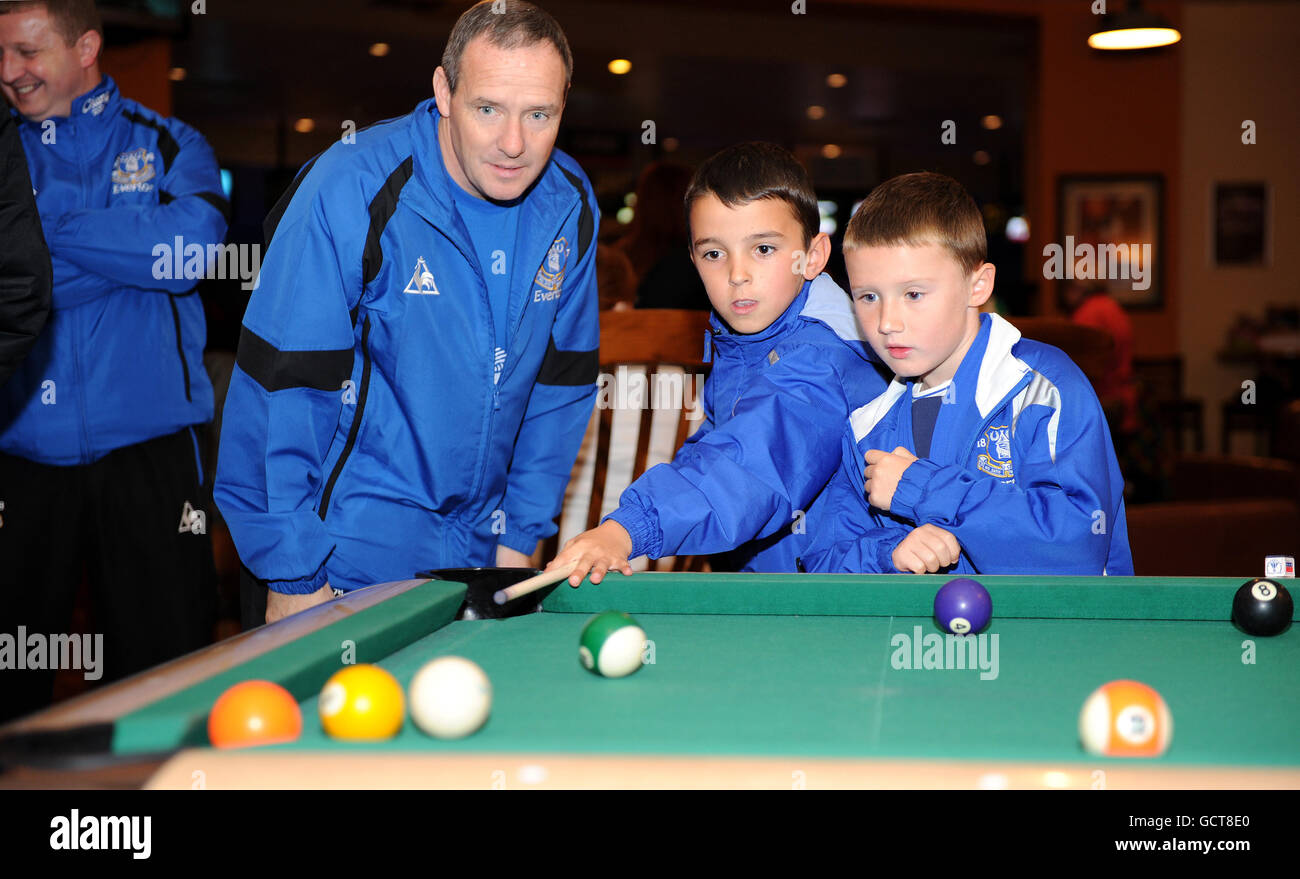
[
  {"x": 995, "y": 460},
  {"x": 550, "y": 277},
  {"x": 132, "y": 171}
]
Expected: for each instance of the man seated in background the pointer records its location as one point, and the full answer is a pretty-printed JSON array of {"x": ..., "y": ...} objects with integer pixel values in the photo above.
[
  {"x": 656, "y": 241},
  {"x": 1134, "y": 428},
  {"x": 1091, "y": 305}
]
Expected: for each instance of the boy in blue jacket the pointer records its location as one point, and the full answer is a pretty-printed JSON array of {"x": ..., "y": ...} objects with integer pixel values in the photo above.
[
  {"x": 789, "y": 364},
  {"x": 1001, "y": 461}
]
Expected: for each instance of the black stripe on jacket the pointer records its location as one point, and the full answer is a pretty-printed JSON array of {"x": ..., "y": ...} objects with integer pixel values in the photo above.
[
  {"x": 168, "y": 148},
  {"x": 568, "y": 368},
  {"x": 278, "y": 370},
  {"x": 382, "y": 208},
  {"x": 573, "y": 368}
]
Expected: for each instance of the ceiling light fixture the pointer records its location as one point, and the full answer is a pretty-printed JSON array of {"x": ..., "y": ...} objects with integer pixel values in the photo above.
[{"x": 1134, "y": 28}]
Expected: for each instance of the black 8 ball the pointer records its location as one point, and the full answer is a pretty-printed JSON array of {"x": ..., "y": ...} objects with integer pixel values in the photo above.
[{"x": 1262, "y": 607}]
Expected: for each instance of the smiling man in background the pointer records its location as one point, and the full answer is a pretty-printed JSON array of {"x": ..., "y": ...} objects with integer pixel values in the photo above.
[
  {"x": 418, "y": 361},
  {"x": 98, "y": 453}
]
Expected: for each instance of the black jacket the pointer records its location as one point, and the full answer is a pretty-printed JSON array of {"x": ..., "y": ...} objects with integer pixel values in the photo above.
[{"x": 25, "y": 271}]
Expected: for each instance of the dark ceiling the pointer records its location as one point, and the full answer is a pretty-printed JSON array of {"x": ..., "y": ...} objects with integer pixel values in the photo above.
[{"x": 708, "y": 74}]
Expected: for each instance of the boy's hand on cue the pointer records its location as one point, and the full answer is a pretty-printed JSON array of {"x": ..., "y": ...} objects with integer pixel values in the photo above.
[
  {"x": 884, "y": 469},
  {"x": 598, "y": 551}
]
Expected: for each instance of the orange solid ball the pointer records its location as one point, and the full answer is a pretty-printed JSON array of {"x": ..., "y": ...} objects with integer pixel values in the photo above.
[
  {"x": 1125, "y": 719},
  {"x": 254, "y": 713}
]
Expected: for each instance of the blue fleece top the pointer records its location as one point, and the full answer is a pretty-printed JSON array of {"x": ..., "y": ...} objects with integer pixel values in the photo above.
[
  {"x": 1021, "y": 470},
  {"x": 750, "y": 479},
  {"x": 133, "y": 213}
]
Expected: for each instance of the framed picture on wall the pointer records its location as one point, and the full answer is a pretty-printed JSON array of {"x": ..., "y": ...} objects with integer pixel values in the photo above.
[
  {"x": 1111, "y": 232},
  {"x": 1240, "y": 224}
]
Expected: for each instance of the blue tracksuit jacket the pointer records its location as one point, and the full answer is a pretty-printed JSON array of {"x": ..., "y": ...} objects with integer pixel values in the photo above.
[
  {"x": 750, "y": 479},
  {"x": 1021, "y": 470},
  {"x": 121, "y": 359},
  {"x": 366, "y": 434}
]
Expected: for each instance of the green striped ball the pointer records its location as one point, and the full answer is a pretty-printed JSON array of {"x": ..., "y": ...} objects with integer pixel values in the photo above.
[{"x": 611, "y": 644}]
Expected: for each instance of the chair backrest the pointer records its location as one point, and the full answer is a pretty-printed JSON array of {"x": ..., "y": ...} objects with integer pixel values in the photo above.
[
  {"x": 653, "y": 335},
  {"x": 1286, "y": 432},
  {"x": 1091, "y": 349},
  {"x": 1161, "y": 378},
  {"x": 651, "y": 361}
]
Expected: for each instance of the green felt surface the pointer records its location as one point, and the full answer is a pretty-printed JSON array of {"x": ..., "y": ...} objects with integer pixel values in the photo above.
[
  {"x": 301, "y": 667},
  {"x": 827, "y": 686},
  {"x": 804, "y": 666}
]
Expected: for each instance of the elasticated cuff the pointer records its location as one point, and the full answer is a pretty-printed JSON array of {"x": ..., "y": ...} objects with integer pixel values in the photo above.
[{"x": 642, "y": 528}]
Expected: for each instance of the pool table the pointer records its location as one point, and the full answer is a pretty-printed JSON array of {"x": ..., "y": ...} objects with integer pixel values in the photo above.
[{"x": 772, "y": 681}]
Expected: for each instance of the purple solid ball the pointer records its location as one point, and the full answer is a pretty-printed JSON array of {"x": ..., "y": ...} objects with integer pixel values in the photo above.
[{"x": 963, "y": 599}]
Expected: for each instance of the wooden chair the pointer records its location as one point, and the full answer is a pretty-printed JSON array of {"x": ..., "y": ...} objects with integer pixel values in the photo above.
[
  {"x": 1090, "y": 348},
  {"x": 1286, "y": 433},
  {"x": 1160, "y": 383},
  {"x": 1254, "y": 420},
  {"x": 1161, "y": 377},
  {"x": 655, "y": 340},
  {"x": 1181, "y": 417}
]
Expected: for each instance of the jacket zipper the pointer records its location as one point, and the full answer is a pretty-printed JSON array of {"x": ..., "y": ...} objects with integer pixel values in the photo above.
[
  {"x": 180, "y": 347},
  {"x": 987, "y": 420},
  {"x": 356, "y": 422},
  {"x": 80, "y": 388},
  {"x": 519, "y": 321},
  {"x": 76, "y": 348},
  {"x": 727, "y": 351},
  {"x": 485, "y": 437},
  {"x": 480, "y": 468}
]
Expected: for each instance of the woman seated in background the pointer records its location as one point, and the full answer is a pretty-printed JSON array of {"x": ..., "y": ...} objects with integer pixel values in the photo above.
[
  {"x": 656, "y": 243},
  {"x": 1136, "y": 435}
]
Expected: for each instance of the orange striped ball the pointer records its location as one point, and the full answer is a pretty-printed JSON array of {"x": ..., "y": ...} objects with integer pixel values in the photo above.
[{"x": 1125, "y": 719}]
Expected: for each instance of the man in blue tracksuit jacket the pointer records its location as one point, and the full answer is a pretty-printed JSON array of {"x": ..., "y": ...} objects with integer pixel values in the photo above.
[
  {"x": 419, "y": 358},
  {"x": 1020, "y": 470},
  {"x": 98, "y": 452},
  {"x": 775, "y": 404}
]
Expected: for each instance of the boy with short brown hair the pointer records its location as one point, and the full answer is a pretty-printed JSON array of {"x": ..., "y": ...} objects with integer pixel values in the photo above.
[{"x": 1001, "y": 460}]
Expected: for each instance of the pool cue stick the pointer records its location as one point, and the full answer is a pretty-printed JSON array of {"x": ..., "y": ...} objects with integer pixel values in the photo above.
[{"x": 532, "y": 584}]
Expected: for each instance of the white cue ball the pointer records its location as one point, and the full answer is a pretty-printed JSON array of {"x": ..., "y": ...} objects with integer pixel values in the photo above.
[{"x": 450, "y": 697}]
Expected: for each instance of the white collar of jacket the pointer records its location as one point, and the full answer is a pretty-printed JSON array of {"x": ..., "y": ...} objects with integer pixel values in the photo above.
[
  {"x": 821, "y": 300},
  {"x": 828, "y": 303},
  {"x": 99, "y": 105},
  {"x": 997, "y": 371}
]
